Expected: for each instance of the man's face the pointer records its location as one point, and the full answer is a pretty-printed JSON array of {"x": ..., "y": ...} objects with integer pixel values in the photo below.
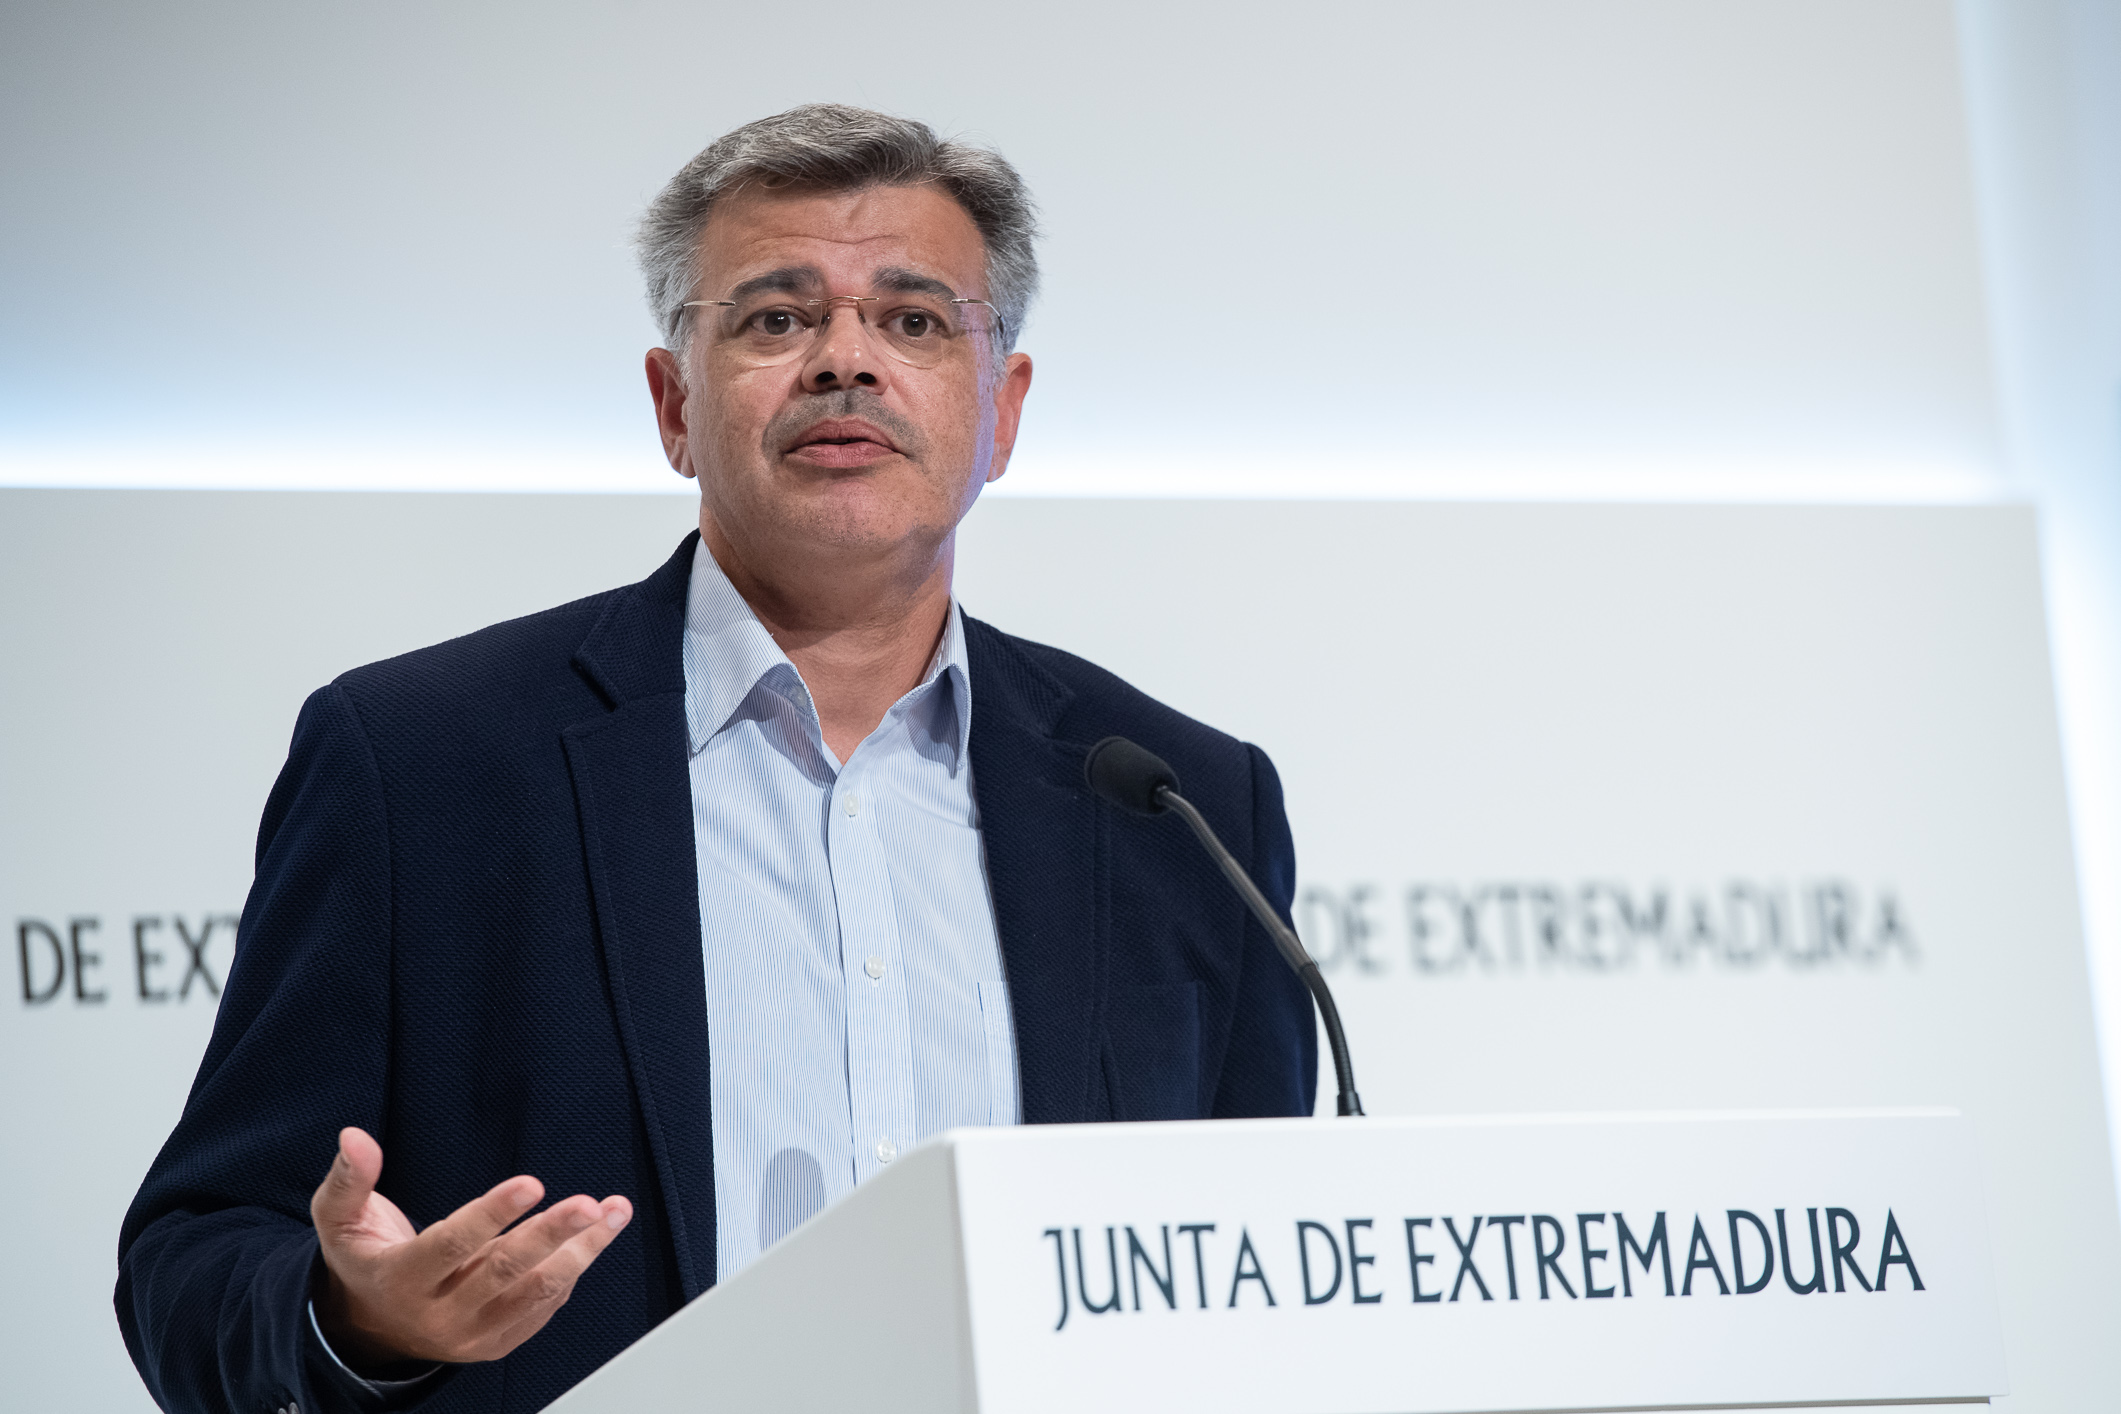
[{"x": 842, "y": 450}]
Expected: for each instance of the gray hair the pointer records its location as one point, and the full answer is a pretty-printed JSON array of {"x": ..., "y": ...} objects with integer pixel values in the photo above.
[{"x": 838, "y": 148}]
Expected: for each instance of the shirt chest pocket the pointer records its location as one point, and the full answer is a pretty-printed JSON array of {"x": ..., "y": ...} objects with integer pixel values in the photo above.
[{"x": 1000, "y": 1037}]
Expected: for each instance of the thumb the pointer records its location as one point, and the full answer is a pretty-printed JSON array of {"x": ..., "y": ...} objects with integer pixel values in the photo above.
[{"x": 344, "y": 1192}]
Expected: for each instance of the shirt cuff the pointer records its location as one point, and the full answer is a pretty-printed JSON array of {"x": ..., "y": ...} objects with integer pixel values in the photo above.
[{"x": 379, "y": 1394}]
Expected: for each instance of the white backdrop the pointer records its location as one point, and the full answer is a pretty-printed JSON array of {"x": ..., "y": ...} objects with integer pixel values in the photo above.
[
  {"x": 1770, "y": 249},
  {"x": 1652, "y": 240},
  {"x": 1824, "y": 738},
  {"x": 1830, "y": 250}
]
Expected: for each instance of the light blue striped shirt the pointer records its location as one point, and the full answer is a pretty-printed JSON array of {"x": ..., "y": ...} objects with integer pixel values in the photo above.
[{"x": 855, "y": 998}]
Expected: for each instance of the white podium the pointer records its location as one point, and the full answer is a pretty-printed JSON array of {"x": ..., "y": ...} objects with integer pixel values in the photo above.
[{"x": 1410, "y": 1266}]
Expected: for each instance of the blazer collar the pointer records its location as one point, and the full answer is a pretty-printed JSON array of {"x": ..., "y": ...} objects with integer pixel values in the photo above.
[
  {"x": 633, "y": 797},
  {"x": 1023, "y": 695},
  {"x": 1043, "y": 834},
  {"x": 635, "y": 649}
]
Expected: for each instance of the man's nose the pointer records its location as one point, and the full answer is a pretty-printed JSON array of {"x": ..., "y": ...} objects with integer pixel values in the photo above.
[{"x": 843, "y": 354}]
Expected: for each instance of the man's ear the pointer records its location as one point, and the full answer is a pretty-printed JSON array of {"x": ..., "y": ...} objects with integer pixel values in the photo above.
[
  {"x": 1009, "y": 391},
  {"x": 666, "y": 387}
]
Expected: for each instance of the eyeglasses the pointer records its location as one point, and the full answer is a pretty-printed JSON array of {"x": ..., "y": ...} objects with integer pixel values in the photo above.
[{"x": 918, "y": 328}]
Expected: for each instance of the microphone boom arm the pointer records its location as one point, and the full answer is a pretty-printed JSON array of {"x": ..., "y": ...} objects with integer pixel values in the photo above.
[{"x": 1285, "y": 939}]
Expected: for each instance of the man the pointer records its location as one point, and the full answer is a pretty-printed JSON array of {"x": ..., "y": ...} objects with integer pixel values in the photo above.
[{"x": 713, "y": 894}]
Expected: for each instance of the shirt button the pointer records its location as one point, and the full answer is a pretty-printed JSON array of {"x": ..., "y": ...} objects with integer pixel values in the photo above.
[
  {"x": 875, "y": 968},
  {"x": 851, "y": 803},
  {"x": 886, "y": 1151}
]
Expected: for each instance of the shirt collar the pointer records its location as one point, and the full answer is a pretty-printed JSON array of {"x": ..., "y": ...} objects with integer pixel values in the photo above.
[
  {"x": 950, "y": 662},
  {"x": 729, "y": 654}
]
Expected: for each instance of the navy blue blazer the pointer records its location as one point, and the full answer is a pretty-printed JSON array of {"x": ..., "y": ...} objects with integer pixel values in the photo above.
[{"x": 475, "y": 933}]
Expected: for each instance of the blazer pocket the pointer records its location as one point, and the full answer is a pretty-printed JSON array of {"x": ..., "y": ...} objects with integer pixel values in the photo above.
[{"x": 1152, "y": 1052}]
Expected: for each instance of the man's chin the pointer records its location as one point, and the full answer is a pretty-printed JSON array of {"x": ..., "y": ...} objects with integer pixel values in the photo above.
[{"x": 856, "y": 513}]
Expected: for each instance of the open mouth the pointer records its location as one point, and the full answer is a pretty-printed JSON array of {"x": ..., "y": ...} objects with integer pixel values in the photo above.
[
  {"x": 843, "y": 442},
  {"x": 844, "y": 432}
]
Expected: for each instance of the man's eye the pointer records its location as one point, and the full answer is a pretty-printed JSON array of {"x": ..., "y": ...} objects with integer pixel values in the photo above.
[
  {"x": 918, "y": 324},
  {"x": 774, "y": 323}
]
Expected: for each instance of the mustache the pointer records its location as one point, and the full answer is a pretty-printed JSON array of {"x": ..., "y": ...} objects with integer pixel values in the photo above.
[{"x": 789, "y": 425}]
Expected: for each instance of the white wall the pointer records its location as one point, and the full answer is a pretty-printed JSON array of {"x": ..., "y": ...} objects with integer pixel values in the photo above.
[
  {"x": 1656, "y": 243},
  {"x": 2044, "y": 91},
  {"x": 1693, "y": 249},
  {"x": 1697, "y": 249},
  {"x": 1778, "y": 715}
]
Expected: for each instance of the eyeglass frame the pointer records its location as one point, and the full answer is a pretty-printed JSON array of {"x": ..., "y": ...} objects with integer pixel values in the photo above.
[{"x": 1001, "y": 322}]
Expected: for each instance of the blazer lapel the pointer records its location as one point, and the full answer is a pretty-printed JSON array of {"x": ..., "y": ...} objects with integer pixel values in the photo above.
[
  {"x": 1045, "y": 842},
  {"x": 633, "y": 790}
]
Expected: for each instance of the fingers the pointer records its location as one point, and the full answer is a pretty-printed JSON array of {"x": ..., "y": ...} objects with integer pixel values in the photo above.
[
  {"x": 585, "y": 1229},
  {"x": 471, "y": 1287},
  {"x": 458, "y": 1238},
  {"x": 510, "y": 1257},
  {"x": 352, "y": 1176}
]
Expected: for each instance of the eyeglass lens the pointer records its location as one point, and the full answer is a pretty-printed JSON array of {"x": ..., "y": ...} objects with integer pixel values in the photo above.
[{"x": 920, "y": 330}]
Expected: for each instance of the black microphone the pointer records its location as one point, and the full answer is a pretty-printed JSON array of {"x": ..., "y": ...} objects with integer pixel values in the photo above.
[{"x": 1140, "y": 781}]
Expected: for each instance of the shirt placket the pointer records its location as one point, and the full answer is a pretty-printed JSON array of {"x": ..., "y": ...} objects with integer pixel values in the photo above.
[{"x": 879, "y": 1018}]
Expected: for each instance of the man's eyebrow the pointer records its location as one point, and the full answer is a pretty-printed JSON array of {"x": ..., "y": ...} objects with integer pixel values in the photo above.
[
  {"x": 789, "y": 279},
  {"x": 898, "y": 280},
  {"x": 807, "y": 279}
]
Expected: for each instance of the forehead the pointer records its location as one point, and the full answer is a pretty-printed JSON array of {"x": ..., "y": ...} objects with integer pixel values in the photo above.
[{"x": 847, "y": 236}]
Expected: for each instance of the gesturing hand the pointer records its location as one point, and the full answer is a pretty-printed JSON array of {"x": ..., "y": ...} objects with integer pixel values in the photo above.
[{"x": 467, "y": 1288}]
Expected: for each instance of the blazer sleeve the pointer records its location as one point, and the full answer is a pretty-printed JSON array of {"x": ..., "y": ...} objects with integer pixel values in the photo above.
[
  {"x": 1271, "y": 1064},
  {"x": 216, "y": 1255}
]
